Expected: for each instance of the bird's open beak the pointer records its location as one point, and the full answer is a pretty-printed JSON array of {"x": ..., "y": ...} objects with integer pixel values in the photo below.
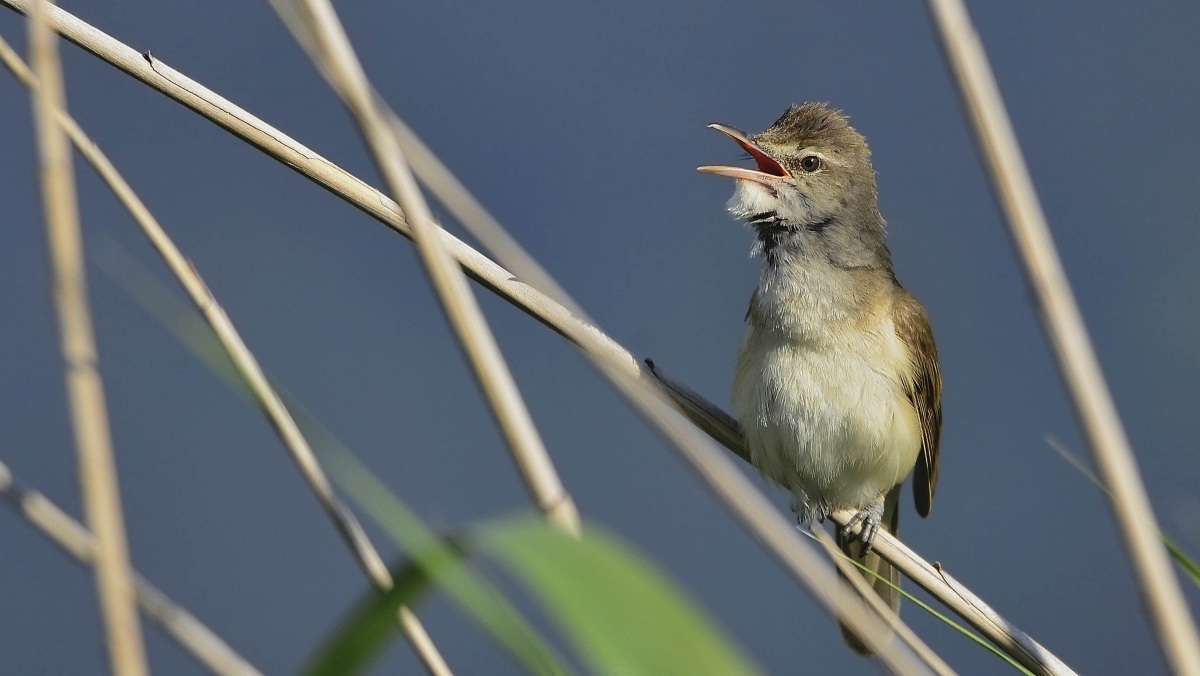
[{"x": 769, "y": 169}]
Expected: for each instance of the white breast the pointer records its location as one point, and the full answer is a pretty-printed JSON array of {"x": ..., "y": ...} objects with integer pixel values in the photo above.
[{"x": 820, "y": 397}]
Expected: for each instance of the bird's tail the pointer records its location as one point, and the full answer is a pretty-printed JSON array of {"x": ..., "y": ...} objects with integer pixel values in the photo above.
[{"x": 884, "y": 570}]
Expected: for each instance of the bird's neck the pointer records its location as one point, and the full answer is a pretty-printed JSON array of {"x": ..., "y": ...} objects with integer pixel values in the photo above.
[
  {"x": 806, "y": 290},
  {"x": 790, "y": 226},
  {"x": 849, "y": 241}
]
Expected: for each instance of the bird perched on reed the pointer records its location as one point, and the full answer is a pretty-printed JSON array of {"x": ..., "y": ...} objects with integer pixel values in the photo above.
[{"x": 837, "y": 387}]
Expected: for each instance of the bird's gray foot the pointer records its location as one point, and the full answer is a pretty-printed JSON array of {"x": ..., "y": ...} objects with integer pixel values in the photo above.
[
  {"x": 870, "y": 518},
  {"x": 804, "y": 512}
]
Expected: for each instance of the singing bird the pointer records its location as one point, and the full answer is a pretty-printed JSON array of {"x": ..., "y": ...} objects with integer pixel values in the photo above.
[{"x": 837, "y": 387}]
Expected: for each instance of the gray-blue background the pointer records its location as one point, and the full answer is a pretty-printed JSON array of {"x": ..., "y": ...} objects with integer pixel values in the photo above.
[{"x": 580, "y": 126}]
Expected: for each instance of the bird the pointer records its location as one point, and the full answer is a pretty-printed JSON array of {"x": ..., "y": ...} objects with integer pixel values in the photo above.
[{"x": 837, "y": 388}]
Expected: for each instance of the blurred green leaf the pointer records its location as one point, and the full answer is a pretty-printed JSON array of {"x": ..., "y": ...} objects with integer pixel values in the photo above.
[
  {"x": 1188, "y": 565},
  {"x": 622, "y": 615},
  {"x": 434, "y": 558},
  {"x": 369, "y": 627}
]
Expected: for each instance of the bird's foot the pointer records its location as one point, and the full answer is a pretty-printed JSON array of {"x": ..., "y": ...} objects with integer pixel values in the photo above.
[
  {"x": 870, "y": 519},
  {"x": 805, "y": 513}
]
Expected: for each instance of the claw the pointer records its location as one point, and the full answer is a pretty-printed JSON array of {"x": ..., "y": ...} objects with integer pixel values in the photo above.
[
  {"x": 870, "y": 518},
  {"x": 805, "y": 513}
]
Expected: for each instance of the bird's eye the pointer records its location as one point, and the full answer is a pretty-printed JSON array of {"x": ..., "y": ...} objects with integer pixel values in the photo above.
[{"x": 811, "y": 163}]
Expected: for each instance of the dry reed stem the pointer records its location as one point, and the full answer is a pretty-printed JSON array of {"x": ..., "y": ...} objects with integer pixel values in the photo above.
[
  {"x": 852, "y": 576},
  {"x": 702, "y": 414},
  {"x": 317, "y": 27},
  {"x": 187, "y": 630},
  {"x": 973, "y": 610},
  {"x": 467, "y": 210},
  {"x": 1065, "y": 329},
  {"x": 247, "y": 366},
  {"x": 85, "y": 387}
]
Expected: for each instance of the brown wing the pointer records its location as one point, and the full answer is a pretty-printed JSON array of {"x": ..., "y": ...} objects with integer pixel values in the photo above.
[{"x": 925, "y": 392}]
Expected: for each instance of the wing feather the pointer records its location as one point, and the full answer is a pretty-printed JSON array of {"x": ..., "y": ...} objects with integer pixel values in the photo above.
[{"x": 924, "y": 391}]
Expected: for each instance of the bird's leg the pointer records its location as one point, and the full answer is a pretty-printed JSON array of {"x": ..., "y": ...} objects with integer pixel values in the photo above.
[{"x": 870, "y": 518}]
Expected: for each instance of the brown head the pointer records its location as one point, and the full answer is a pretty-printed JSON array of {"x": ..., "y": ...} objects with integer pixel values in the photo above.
[{"x": 813, "y": 187}]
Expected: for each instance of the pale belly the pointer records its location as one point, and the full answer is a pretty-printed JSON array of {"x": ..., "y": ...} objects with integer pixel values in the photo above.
[{"x": 824, "y": 424}]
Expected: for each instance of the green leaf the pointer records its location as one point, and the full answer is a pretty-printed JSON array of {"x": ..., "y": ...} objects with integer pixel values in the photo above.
[
  {"x": 433, "y": 557},
  {"x": 1188, "y": 565},
  {"x": 622, "y": 615},
  {"x": 436, "y": 557},
  {"x": 369, "y": 627}
]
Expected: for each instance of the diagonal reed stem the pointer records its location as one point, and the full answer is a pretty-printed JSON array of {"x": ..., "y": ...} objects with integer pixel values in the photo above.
[
  {"x": 74, "y": 539},
  {"x": 317, "y": 27},
  {"x": 852, "y": 577},
  {"x": 1063, "y": 323},
  {"x": 85, "y": 388},
  {"x": 247, "y": 366},
  {"x": 933, "y": 578}
]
